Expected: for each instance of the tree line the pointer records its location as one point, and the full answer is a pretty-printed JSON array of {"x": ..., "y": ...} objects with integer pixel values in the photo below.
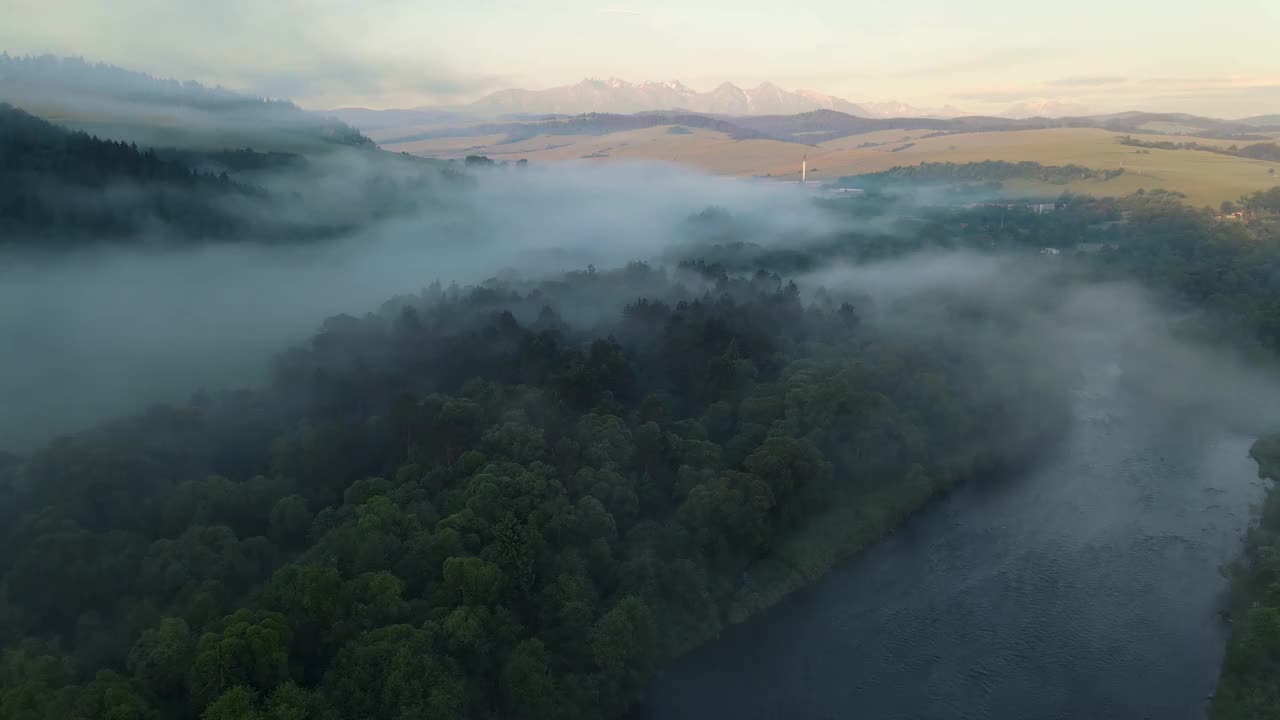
[
  {"x": 1249, "y": 688},
  {"x": 987, "y": 171},
  {"x": 1256, "y": 151}
]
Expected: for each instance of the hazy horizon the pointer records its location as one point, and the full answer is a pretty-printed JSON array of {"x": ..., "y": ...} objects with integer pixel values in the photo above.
[{"x": 982, "y": 57}]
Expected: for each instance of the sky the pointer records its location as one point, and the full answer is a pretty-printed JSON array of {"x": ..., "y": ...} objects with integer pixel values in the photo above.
[{"x": 1216, "y": 58}]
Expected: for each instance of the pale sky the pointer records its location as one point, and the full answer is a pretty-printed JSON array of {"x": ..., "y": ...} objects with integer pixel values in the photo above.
[{"x": 1219, "y": 58}]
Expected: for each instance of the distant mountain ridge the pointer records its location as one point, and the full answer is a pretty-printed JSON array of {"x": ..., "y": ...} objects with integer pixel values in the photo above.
[
  {"x": 621, "y": 97},
  {"x": 1045, "y": 108}
]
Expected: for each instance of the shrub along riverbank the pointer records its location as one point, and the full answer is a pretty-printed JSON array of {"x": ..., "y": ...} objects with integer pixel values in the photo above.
[{"x": 1249, "y": 688}]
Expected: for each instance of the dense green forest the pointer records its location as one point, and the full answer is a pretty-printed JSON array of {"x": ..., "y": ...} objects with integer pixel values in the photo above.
[{"x": 466, "y": 506}]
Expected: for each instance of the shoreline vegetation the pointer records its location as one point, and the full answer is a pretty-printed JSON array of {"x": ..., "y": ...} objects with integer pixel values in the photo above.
[
  {"x": 1249, "y": 684},
  {"x": 852, "y": 525}
]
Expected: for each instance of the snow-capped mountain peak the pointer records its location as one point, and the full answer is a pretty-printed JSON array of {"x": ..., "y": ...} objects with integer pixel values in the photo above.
[{"x": 619, "y": 96}]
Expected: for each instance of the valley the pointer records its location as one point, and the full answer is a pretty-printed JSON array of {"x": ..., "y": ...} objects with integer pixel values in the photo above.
[{"x": 574, "y": 403}]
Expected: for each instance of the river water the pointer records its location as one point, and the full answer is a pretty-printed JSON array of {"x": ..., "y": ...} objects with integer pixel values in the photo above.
[{"x": 1087, "y": 588}]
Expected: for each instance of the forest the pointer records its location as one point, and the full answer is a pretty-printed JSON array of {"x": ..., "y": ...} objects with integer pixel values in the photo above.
[{"x": 466, "y": 506}]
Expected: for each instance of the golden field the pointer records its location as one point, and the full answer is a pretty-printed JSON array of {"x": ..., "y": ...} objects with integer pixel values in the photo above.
[{"x": 1205, "y": 178}]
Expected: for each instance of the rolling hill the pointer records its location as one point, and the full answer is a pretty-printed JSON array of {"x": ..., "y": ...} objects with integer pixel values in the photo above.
[
  {"x": 1262, "y": 120},
  {"x": 812, "y": 127}
]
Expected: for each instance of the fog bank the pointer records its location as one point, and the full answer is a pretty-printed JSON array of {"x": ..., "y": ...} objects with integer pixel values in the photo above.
[{"x": 91, "y": 334}]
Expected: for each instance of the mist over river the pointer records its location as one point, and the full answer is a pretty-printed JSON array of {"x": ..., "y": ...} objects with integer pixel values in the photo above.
[{"x": 1086, "y": 588}]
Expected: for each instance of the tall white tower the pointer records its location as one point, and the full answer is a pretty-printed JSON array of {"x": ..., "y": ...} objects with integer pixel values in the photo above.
[{"x": 804, "y": 168}]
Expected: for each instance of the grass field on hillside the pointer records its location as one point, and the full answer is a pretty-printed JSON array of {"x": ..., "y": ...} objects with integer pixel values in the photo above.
[
  {"x": 884, "y": 140},
  {"x": 1205, "y": 178},
  {"x": 446, "y": 147}
]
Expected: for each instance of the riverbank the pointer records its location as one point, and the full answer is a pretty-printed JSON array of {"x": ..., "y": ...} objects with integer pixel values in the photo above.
[
  {"x": 1249, "y": 687},
  {"x": 851, "y": 523},
  {"x": 1086, "y": 586}
]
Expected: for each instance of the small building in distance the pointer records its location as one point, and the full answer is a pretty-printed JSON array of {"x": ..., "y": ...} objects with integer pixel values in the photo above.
[{"x": 1050, "y": 251}]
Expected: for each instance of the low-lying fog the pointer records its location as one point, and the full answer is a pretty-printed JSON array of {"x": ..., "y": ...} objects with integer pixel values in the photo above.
[
  {"x": 86, "y": 335},
  {"x": 99, "y": 333}
]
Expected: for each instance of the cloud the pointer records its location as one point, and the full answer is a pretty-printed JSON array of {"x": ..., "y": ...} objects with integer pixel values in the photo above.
[
  {"x": 1218, "y": 96},
  {"x": 319, "y": 56},
  {"x": 998, "y": 59},
  {"x": 619, "y": 11},
  {"x": 1237, "y": 82},
  {"x": 1088, "y": 81},
  {"x": 334, "y": 77},
  {"x": 996, "y": 94}
]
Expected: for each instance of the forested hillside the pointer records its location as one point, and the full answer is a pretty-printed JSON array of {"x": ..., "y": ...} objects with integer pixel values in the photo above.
[
  {"x": 58, "y": 182},
  {"x": 65, "y": 189},
  {"x": 467, "y": 506}
]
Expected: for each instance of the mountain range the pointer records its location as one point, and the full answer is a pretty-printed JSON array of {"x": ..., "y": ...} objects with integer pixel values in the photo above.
[
  {"x": 1045, "y": 108},
  {"x": 619, "y": 96}
]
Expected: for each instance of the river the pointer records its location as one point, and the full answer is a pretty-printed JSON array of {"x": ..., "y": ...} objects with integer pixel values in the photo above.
[{"x": 1087, "y": 588}]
